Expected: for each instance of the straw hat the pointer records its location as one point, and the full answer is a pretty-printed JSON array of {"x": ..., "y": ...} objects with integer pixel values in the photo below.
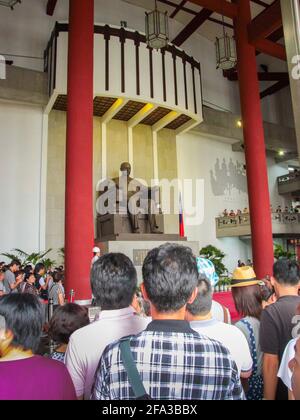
[{"x": 243, "y": 277}]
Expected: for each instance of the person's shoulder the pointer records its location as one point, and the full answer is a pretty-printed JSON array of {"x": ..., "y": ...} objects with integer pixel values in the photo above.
[
  {"x": 207, "y": 344},
  {"x": 270, "y": 310},
  {"x": 233, "y": 330},
  {"x": 290, "y": 348},
  {"x": 86, "y": 332},
  {"x": 50, "y": 364}
]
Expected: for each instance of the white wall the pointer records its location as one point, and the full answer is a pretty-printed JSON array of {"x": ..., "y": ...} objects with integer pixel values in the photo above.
[
  {"x": 20, "y": 176},
  {"x": 197, "y": 159}
]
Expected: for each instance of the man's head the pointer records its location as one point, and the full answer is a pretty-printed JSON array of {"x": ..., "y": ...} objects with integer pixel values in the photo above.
[
  {"x": 113, "y": 281},
  {"x": 294, "y": 366},
  {"x": 15, "y": 266},
  {"x": 96, "y": 251},
  {"x": 22, "y": 322},
  {"x": 40, "y": 269},
  {"x": 286, "y": 275},
  {"x": 201, "y": 307},
  {"x": 126, "y": 168},
  {"x": 170, "y": 278}
]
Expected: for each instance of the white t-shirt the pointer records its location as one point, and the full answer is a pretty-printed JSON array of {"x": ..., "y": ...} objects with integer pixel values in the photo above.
[
  {"x": 231, "y": 337},
  {"x": 218, "y": 312},
  {"x": 95, "y": 259},
  {"x": 285, "y": 373},
  {"x": 87, "y": 345}
]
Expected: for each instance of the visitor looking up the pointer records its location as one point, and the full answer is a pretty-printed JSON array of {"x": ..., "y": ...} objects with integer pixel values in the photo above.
[
  {"x": 10, "y": 283},
  {"x": 285, "y": 373},
  {"x": 57, "y": 291},
  {"x": 25, "y": 376},
  {"x": 277, "y": 325},
  {"x": 97, "y": 255},
  {"x": 248, "y": 300},
  {"x": 206, "y": 270},
  {"x": 65, "y": 321},
  {"x": 2, "y": 287},
  {"x": 201, "y": 319},
  {"x": 114, "y": 283},
  {"x": 159, "y": 354},
  {"x": 41, "y": 280}
]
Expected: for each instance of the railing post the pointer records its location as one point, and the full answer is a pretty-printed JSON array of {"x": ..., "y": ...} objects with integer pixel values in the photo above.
[{"x": 50, "y": 315}]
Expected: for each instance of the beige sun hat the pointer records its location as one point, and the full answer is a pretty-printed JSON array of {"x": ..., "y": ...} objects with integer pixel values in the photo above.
[{"x": 243, "y": 277}]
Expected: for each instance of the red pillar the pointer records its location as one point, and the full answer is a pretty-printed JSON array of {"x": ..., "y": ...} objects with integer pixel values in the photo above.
[
  {"x": 257, "y": 174},
  {"x": 79, "y": 227}
]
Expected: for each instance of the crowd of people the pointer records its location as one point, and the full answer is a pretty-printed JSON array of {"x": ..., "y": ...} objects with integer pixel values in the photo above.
[{"x": 168, "y": 341}]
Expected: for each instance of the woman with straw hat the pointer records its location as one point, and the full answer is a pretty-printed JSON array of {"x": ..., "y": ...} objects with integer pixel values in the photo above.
[{"x": 248, "y": 297}]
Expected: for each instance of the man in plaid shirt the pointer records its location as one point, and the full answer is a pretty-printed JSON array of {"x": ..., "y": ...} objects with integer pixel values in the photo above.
[{"x": 173, "y": 361}]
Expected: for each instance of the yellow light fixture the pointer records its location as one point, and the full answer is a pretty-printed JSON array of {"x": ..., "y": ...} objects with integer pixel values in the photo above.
[
  {"x": 281, "y": 153},
  {"x": 239, "y": 123}
]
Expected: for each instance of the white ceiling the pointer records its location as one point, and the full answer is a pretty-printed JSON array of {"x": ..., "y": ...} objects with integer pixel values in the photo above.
[{"x": 209, "y": 29}]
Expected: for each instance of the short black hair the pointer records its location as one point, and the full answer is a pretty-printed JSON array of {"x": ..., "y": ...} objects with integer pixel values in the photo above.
[
  {"x": 203, "y": 303},
  {"x": 113, "y": 281},
  {"x": 170, "y": 276},
  {"x": 66, "y": 320},
  {"x": 39, "y": 267},
  {"x": 15, "y": 262},
  {"x": 287, "y": 272},
  {"x": 58, "y": 276},
  {"x": 23, "y": 314}
]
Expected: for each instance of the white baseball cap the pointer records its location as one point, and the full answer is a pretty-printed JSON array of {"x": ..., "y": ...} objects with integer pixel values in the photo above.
[{"x": 96, "y": 250}]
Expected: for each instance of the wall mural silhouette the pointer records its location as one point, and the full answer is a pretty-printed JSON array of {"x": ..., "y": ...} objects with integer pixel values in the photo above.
[{"x": 228, "y": 176}]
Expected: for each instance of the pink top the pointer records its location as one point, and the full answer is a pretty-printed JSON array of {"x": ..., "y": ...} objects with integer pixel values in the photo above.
[
  {"x": 36, "y": 378},
  {"x": 87, "y": 345}
]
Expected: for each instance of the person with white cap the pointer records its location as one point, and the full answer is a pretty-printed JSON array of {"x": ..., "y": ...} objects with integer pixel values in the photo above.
[{"x": 97, "y": 254}]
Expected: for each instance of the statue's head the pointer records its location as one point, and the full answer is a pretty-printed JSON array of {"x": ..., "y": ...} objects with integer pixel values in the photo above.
[{"x": 126, "y": 167}]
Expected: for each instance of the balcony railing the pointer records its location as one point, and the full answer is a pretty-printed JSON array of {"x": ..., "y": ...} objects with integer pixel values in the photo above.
[
  {"x": 238, "y": 226},
  {"x": 289, "y": 183},
  {"x": 124, "y": 66}
]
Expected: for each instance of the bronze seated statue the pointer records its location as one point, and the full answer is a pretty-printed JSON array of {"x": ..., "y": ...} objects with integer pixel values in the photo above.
[{"x": 127, "y": 196}]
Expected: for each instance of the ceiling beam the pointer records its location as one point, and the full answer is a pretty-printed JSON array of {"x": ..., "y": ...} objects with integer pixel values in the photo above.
[
  {"x": 220, "y": 22},
  {"x": 274, "y": 88},
  {"x": 192, "y": 27},
  {"x": 175, "y": 5},
  {"x": 260, "y": 3},
  {"x": 266, "y": 23},
  {"x": 178, "y": 8},
  {"x": 271, "y": 48},
  {"x": 51, "y": 7},
  {"x": 222, "y": 7},
  {"x": 262, "y": 76}
]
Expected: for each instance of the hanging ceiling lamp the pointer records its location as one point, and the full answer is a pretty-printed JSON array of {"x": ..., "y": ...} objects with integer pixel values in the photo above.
[
  {"x": 157, "y": 29},
  {"x": 226, "y": 51},
  {"x": 9, "y": 3}
]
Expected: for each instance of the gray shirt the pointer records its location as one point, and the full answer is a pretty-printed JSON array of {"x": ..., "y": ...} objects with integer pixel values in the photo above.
[
  {"x": 9, "y": 280},
  {"x": 54, "y": 292},
  {"x": 2, "y": 287},
  {"x": 255, "y": 324}
]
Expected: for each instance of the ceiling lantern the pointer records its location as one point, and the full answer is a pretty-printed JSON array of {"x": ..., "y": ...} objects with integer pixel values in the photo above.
[
  {"x": 226, "y": 51},
  {"x": 157, "y": 29}
]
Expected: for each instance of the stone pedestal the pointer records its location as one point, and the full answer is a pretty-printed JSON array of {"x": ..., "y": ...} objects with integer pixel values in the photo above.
[{"x": 137, "y": 248}]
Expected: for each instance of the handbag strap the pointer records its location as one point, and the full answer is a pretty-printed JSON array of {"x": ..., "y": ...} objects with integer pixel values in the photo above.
[{"x": 132, "y": 372}]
